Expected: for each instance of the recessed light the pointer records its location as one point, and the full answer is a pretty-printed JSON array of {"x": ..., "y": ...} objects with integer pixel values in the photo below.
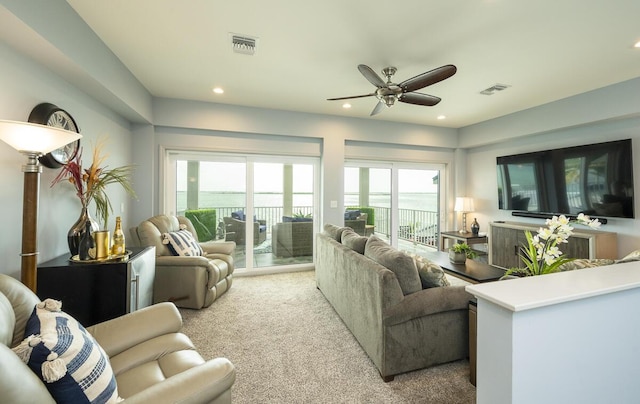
[
  {"x": 637, "y": 45},
  {"x": 218, "y": 90},
  {"x": 346, "y": 105},
  {"x": 440, "y": 117}
]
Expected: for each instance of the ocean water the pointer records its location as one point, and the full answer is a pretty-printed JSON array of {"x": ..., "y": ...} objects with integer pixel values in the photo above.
[{"x": 411, "y": 201}]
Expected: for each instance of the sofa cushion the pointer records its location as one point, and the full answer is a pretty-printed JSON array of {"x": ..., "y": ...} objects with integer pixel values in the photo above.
[
  {"x": 333, "y": 231},
  {"x": 353, "y": 240},
  {"x": 66, "y": 357},
  {"x": 431, "y": 275},
  {"x": 182, "y": 243},
  {"x": 400, "y": 263},
  {"x": 582, "y": 263}
]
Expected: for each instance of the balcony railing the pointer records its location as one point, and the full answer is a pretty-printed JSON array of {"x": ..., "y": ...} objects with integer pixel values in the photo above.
[{"x": 417, "y": 226}]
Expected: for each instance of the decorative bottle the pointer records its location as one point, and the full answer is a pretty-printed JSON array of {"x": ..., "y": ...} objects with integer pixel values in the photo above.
[
  {"x": 87, "y": 246},
  {"x": 118, "y": 239},
  {"x": 475, "y": 227}
]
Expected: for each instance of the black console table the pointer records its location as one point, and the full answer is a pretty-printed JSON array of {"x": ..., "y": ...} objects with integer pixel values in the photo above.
[{"x": 96, "y": 292}]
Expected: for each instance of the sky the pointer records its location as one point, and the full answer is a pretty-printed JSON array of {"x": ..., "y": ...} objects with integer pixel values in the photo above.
[{"x": 230, "y": 176}]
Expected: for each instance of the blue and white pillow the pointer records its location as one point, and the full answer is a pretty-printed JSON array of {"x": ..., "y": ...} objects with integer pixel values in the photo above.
[
  {"x": 60, "y": 351},
  {"x": 182, "y": 243}
]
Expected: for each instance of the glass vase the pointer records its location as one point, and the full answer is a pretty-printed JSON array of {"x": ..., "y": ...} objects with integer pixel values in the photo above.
[{"x": 78, "y": 229}]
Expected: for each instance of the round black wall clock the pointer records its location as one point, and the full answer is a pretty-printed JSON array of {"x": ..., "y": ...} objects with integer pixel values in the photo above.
[{"x": 49, "y": 114}]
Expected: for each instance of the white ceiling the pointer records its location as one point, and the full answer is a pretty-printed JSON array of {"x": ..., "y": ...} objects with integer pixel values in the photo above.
[{"x": 309, "y": 51}]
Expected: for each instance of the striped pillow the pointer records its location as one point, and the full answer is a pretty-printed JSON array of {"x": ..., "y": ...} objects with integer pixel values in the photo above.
[
  {"x": 182, "y": 243},
  {"x": 61, "y": 352}
]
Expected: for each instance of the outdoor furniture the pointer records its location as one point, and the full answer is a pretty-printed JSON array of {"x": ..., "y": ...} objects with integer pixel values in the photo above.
[
  {"x": 292, "y": 238},
  {"x": 236, "y": 225}
]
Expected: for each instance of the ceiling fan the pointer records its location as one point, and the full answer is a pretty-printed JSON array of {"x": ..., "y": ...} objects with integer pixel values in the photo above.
[{"x": 387, "y": 93}]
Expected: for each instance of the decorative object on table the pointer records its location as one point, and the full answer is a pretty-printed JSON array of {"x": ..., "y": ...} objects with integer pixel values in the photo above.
[
  {"x": 87, "y": 245},
  {"x": 475, "y": 227},
  {"x": 90, "y": 185},
  {"x": 32, "y": 140},
  {"x": 459, "y": 252},
  {"x": 464, "y": 204},
  {"x": 51, "y": 115},
  {"x": 78, "y": 228},
  {"x": 542, "y": 254},
  {"x": 101, "y": 238},
  {"x": 118, "y": 246}
]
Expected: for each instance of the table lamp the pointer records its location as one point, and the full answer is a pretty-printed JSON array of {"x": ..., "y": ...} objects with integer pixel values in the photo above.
[
  {"x": 32, "y": 140},
  {"x": 464, "y": 204}
]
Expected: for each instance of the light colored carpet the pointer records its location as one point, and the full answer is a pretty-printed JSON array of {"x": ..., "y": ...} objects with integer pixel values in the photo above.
[{"x": 289, "y": 346}]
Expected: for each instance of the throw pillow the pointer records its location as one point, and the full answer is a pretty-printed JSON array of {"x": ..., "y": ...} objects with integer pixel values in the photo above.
[
  {"x": 400, "y": 263},
  {"x": 354, "y": 241},
  {"x": 431, "y": 274},
  {"x": 351, "y": 214},
  {"x": 585, "y": 263},
  {"x": 633, "y": 256},
  {"x": 66, "y": 357},
  {"x": 182, "y": 243}
]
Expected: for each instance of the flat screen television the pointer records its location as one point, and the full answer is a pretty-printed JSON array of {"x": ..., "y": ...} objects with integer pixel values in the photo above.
[{"x": 595, "y": 179}]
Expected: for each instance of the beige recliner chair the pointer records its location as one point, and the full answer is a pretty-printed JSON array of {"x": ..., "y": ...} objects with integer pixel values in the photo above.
[
  {"x": 151, "y": 360},
  {"x": 191, "y": 282}
]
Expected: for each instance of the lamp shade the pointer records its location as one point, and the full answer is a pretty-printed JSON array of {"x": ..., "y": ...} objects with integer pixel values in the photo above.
[
  {"x": 35, "y": 138},
  {"x": 463, "y": 204}
]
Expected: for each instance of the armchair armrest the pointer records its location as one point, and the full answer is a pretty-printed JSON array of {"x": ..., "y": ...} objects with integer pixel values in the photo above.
[
  {"x": 218, "y": 247},
  {"x": 426, "y": 302},
  {"x": 200, "y": 384},
  {"x": 122, "y": 333}
]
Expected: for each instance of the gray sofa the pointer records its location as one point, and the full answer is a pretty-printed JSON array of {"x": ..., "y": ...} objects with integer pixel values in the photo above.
[{"x": 401, "y": 326}]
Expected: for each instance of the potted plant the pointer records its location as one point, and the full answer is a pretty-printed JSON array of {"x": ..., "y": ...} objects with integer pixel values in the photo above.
[
  {"x": 459, "y": 252},
  {"x": 542, "y": 254}
]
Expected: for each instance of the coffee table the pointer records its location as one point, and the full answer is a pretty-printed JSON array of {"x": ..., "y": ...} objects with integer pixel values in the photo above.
[{"x": 471, "y": 271}]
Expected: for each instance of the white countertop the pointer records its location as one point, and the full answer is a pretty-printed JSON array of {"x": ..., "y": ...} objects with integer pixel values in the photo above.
[{"x": 545, "y": 290}]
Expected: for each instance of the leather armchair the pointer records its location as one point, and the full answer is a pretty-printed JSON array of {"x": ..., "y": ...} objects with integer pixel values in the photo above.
[
  {"x": 190, "y": 282},
  {"x": 151, "y": 360}
]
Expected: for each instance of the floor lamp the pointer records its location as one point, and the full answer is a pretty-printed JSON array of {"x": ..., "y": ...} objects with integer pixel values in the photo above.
[
  {"x": 464, "y": 204},
  {"x": 32, "y": 140}
]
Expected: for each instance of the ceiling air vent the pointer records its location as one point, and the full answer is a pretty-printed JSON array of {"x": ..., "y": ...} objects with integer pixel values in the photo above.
[
  {"x": 243, "y": 44},
  {"x": 494, "y": 88}
]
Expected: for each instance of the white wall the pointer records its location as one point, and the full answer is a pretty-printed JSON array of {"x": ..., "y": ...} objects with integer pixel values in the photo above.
[{"x": 25, "y": 84}]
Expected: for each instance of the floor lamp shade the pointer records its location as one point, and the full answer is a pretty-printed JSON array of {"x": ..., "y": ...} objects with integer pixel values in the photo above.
[
  {"x": 32, "y": 140},
  {"x": 31, "y": 137}
]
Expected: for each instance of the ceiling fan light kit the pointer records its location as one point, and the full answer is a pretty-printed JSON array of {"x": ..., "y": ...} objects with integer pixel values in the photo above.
[{"x": 389, "y": 92}]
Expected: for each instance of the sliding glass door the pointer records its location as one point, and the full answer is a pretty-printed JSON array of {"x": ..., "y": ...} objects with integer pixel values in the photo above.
[
  {"x": 265, "y": 204},
  {"x": 404, "y": 198}
]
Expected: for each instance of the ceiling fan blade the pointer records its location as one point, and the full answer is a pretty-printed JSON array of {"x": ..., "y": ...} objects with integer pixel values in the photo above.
[
  {"x": 352, "y": 96},
  {"x": 378, "y": 108},
  {"x": 419, "y": 99},
  {"x": 370, "y": 75},
  {"x": 428, "y": 78}
]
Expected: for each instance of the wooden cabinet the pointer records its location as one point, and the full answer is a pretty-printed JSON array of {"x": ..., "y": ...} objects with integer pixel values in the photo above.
[
  {"x": 96, "y": 292},
  {"x": 506, "y": 238}
]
